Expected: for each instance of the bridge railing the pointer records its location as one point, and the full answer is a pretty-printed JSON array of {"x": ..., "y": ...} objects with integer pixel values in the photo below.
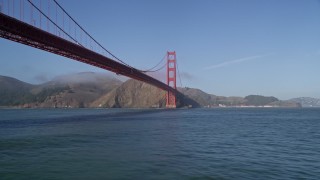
[{"x": 49, "y": 16}]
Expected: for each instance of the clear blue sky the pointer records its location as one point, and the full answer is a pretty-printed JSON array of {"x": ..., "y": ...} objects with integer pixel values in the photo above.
[{"x": 224, "y": 47}]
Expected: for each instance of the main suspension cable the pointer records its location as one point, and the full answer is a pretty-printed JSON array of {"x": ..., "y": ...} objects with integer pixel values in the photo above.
[
  {"x": 150, "y": 70},
  {"x": 55, "y": 23},
  {"x": 156, "y": 69},
  {"x": 77, "y": 42},
  {"x": 90, "y": 35}
]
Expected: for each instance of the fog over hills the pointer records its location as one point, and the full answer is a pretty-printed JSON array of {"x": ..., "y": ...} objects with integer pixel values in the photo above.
[
  {"x": 74, "y": 90},
  {"x": 105, "y": 91}
]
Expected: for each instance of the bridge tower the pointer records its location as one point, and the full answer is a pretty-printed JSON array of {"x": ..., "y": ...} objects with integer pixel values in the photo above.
[{"x": 171, "y": 79}]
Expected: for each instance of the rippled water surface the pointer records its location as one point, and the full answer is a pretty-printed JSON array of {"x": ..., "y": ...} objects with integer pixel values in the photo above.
[{"x": 160, "y": 144}]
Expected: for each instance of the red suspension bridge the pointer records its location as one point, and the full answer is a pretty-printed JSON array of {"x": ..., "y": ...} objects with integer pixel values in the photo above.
[{"x": 46, "y": 25}]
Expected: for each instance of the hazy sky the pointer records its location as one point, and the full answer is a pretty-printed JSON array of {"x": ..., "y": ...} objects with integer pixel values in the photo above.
[{"x": 224, "y": 47}]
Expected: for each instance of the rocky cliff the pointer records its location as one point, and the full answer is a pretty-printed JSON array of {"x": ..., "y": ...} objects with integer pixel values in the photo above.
[
  {"x": 81, "y": 89},
  {"x": 132, "y": 94}
]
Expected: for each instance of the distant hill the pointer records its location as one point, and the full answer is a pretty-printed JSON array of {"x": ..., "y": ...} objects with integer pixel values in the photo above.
[
  {"x": 81, "y": 89},
  {"x": 14, "y": 92},
  {"x": 209, "y": 100},
  {"x": 100, "y": 90},
  {"x": 285, "y": 104},
  {"x": 202, "y": 98},
  {"x": 76, "y": 90},
  {"x": 307, "y": 101},
  {"x": 13, "y": 84},
  {"x": 257, "y": 100}
]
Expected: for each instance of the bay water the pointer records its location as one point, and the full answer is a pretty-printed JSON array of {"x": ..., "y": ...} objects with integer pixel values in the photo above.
[{"x": 226, "y": 143}]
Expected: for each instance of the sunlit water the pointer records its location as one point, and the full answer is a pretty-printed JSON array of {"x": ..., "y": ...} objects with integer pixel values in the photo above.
[{"x": 160, "y": 144}]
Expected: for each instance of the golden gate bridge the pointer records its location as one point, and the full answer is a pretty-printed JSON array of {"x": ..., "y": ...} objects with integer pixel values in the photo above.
[{"x": 46, "y": 25}]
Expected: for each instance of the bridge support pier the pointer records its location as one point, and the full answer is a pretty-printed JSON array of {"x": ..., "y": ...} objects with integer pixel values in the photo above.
[{"x": 171, "y": 79}]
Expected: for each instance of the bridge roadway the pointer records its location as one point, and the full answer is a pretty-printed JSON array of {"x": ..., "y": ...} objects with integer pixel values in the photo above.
[{"x": 18, "y": 31}]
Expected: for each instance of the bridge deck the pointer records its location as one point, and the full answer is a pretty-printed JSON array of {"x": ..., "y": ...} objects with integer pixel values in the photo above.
[{"x": 18, "y": 31}]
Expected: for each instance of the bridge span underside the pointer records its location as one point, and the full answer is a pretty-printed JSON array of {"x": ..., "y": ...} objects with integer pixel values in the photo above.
[{"x": 18, "y": 31}]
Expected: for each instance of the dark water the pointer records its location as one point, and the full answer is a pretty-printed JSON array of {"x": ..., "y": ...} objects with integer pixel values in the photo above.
[{"x": 160, "y": 144}]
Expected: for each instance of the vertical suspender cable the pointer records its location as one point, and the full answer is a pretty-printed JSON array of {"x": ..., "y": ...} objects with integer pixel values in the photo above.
[
  {"x": 22, "y": 1},
  {"x": 63, "y": 22},
  {"x": 179, "y": 75},
  {"x": 8, "y": 7},
  {"x": 40, "y": 15},
  {"x": 56, "y": 21},
  {"x": 31, "y": 14},
  {"x": 90, "y": 35},
  {"x": 21, "y": 10},
  {"x": 48, "y": 24}
]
